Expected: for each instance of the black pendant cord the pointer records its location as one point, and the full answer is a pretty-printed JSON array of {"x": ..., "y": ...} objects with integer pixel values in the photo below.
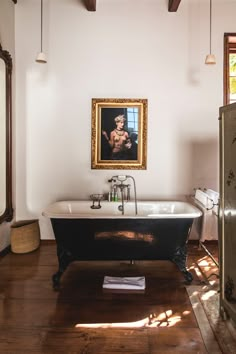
[
  {"x": 210, "y": 24},
  {"x": 41, "y": 25}
]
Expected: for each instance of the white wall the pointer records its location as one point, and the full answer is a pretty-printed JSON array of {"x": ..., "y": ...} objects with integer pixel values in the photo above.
[
  {"x": 126, "y": 49},
  {"x": 7, "y": 40}
]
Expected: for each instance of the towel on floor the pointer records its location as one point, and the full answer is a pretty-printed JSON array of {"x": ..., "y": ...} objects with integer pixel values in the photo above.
[{"x": 136, "y": 283}]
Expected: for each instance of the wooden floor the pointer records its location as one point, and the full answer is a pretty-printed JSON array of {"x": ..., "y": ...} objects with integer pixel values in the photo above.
[{"x": 83, "y": 318}]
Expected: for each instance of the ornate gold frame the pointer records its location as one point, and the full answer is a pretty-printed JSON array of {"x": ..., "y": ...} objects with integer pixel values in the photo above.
[{"x": 104, "y": 110}]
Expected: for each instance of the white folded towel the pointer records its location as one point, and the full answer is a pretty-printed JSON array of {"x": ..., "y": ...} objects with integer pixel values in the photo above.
[
  {"x": 136, "y": 283},
  {"x": 203, "y": 198},
  {"x": 213, "y": 195},
  {"x": 206, "y": 227}
]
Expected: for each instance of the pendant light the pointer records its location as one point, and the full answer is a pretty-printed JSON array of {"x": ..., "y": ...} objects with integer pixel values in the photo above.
[
  {"x": 41, "y": 57},
  {"x": 210, "y": 58}
]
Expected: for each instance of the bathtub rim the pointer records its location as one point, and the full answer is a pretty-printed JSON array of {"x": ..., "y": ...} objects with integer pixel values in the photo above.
[{"x": 49, "y": 213}]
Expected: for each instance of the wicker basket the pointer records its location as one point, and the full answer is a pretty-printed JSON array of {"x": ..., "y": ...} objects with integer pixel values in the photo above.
[{"x": 25, "y": 236}]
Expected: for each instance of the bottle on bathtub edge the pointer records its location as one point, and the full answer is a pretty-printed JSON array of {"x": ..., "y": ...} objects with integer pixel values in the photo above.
[{"x": 114, "y": 194}]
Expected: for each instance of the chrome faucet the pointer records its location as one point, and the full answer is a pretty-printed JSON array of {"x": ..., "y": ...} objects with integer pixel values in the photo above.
[{"x": 124, "y": 187}]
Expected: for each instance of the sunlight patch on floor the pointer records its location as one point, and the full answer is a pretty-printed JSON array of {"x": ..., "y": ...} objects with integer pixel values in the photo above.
[
  {"x": 203, "y": 263},
  {"x": 213, "y": 282},
  {"x": 208, "y": 294},
  {"x": 164, "y": 319},
  {"x": 208, "y": 336}
]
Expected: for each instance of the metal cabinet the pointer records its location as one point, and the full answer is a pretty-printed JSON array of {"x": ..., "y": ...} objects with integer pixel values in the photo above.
[{"x": 227, "y": 211}]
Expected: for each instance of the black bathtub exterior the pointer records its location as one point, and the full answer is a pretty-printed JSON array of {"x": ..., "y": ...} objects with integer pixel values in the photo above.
[{"x": 121, "y": 239}]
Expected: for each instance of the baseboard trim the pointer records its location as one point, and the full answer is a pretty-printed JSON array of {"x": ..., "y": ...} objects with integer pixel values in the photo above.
[
  {"x": 206, "y": 242},
  {"x": 48, "y": 241}
]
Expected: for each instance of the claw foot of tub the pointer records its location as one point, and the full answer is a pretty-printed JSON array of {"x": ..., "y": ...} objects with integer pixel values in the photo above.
[
  {"x": 56, "y": 280},
  {"x": 188, "y": 276},
  {"x": 65, "y": 257},
  {"x": 179, "y": 259}
]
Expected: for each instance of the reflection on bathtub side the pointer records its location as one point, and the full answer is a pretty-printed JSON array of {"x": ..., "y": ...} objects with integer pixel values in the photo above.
[{"x": 125, "y": 235}]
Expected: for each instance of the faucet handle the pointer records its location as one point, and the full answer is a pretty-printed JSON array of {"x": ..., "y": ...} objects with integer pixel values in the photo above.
[{"x": 111, "y": 180}]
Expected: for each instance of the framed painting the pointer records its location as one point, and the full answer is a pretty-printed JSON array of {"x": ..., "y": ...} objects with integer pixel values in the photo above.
[{"x": 119, "y": 133}]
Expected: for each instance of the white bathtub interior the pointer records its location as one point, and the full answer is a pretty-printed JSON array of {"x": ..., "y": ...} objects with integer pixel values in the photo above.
[{"x": 146, "y": 209}]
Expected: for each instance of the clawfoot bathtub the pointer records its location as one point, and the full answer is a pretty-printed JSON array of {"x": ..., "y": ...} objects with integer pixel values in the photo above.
[{"x": 159, "y": 231}]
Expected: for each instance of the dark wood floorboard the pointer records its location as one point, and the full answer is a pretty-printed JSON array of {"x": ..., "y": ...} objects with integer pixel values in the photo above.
[{"x": 83, "y": 318}]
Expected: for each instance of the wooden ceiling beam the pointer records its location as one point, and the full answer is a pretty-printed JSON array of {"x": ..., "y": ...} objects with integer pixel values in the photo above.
[
  {"x": 173, "y": 5},
  {"x": 90, "y": 5}
]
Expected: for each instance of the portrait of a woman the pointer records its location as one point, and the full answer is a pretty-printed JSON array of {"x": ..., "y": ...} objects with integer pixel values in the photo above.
[{"x": 119, "y": 140}]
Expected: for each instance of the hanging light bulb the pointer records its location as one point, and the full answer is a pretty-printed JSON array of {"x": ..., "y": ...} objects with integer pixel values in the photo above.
[
  {"x": 210, "y": 58},
  {"x": 41, "y": 57}
]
